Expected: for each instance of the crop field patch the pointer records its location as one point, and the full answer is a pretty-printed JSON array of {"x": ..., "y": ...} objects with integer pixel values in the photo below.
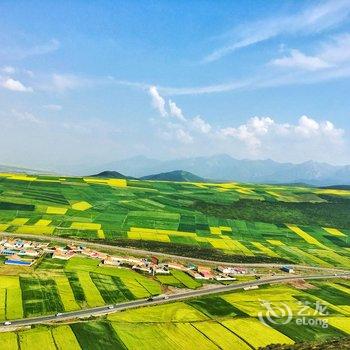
[
  {"x": 256, "y": 333},
  {"x": 77, "y": 289},
  {"x": 8, "y": 341},
  {"x": 11, "y": 298},
  {"x": 51, "y": 264},
  {"x": 39, "y": 296},
  {"x": 174, "y": 312},
  {"x": 97, "y": 336},
  {"x": 65, "y": 338},
  {"x": 310, "y": 332},
  {"x": 221, "y": 336},
  {"x": 29, "y": 339},
  {"x": 108, "y": 289},
  {"x": 92, "y": 294},
  {"x": 185, "y": 279},
  {"x": 330, "y": 294},
  {"x": 162, "y": 336},
  {"x": 214, "y": 306},
  {"x": 66, "y": 293}
]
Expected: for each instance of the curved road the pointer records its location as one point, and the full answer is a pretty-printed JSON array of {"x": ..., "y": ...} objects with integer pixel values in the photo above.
[{"x": 102, "y": 310}]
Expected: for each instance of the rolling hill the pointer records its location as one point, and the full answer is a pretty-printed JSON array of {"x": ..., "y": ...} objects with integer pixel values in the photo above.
[{"x": 176, "y": 175}]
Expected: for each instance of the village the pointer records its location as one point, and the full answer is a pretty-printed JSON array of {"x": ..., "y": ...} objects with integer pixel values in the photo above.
[{"x": 19, "y": 252}]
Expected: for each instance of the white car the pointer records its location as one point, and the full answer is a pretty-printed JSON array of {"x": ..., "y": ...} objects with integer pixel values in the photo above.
[
  {"x": 7, "y": 323},
  {"x": 111, "y": 307},
  {"x": 59, "y": 314}
]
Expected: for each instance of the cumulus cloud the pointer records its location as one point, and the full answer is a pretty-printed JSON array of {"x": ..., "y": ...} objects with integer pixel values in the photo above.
[
  {"x": 175, "y": 111},
  {"x": 201, "y": 125},
  {"x": 260, "y": 131},
  {"x": 158, "y": 101},
  {"x": 15, "y": 85}
]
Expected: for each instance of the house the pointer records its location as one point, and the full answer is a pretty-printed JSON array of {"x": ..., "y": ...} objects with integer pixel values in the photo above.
[
  {"x": 160, "y": 269},
  {"x": 227, "y": 269},
  {"x": 205, "y": 272},
  {"x": 287, "y": 269},
  {"x": 154, "y": 260},
  {"x": 18, "y": 262},
  {"x": 113, "y": 261},
  {"x": 195, "y": 274},
  {"x": 7, "y": 252},
  {"x": 176, "y": 266},
  {"x": 191, "y": 266},
  {"x": 225, "y": 278},
  {"x": 63, "y": 255}
]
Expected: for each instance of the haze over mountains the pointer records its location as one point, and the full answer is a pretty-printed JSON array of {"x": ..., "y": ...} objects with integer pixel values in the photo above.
[{"x": 225, "y": 168}]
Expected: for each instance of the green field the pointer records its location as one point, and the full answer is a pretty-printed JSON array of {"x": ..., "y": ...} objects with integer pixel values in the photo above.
[
  {"x": 215, "y": 322},
  {"x": 54, "y": 286},
  {"x": 247, "y": 223}
]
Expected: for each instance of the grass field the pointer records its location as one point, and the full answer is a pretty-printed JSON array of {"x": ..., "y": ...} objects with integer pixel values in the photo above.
[{"x": 253, "y": 222}]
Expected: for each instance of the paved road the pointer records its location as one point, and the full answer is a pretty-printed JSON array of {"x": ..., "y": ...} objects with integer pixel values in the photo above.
[
  {"x": 97, "y": 311},
  {"x": 99, "y": 246}
]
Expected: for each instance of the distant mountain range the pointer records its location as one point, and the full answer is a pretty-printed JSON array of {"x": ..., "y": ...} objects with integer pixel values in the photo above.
[
  {"x": 225, "y": 168},
  {"x": 14, "y": 169}
]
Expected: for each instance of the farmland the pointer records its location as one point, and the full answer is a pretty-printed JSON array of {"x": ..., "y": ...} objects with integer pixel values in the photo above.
[
  {"x": 229, "y": 221},
  {"x": 58, "y": 286},
  {"x": 222, "y": 321}
]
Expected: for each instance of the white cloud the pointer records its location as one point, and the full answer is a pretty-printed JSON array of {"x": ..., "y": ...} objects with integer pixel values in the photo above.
[
  {"x": 183, "y": 136},
  {"x": 15, "y": 85},
  {"x": 301, "y": 61},
  {"x": 158, "y": 101},
  {"x": 249, "y": 133},
  {"x": 259, "y": 132},
  {"x": 63, "y": 82},
  {"x": 201, "y": 125},
  {"x": 336, "y": 50},
  {"x": 8, "y": 69},
  {"x": 314, "y": 19},
  {"x": 175, "y": 111}
]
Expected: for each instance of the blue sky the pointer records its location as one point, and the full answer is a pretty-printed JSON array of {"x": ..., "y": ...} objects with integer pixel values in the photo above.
[{"x": 89, "y": 82}]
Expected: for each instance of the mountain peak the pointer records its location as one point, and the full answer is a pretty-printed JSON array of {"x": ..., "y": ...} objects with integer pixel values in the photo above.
[{"x": 175, "y": 175}]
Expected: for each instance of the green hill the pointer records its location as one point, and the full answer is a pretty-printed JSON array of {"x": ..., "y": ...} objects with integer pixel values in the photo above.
[
  {"x": 176, "y": 175},
  {"x": 111, "y": 175}
]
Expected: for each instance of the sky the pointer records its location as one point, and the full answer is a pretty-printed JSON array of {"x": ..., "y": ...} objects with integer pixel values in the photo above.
[{"x": 91, "y": 82}]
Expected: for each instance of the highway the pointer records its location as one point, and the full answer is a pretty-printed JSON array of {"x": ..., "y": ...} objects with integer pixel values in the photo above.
[{"x": 103, "y": 310}]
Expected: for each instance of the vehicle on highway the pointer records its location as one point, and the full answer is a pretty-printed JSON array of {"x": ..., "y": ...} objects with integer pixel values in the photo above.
[
  {"x": 111, "y": 307},
  {"x": 7, "y": 323},
  {"x": 150, "y": 299},
  {"x": 59, "y": 314},
  {"x": 166, "y": 297}
]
